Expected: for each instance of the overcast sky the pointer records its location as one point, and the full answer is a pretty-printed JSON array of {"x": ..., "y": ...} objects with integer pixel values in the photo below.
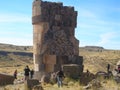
[{"x": 98, "y": 22}]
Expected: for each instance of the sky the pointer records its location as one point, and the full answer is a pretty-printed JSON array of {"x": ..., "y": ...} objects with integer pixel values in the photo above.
[{"x": 98, "y": 22}]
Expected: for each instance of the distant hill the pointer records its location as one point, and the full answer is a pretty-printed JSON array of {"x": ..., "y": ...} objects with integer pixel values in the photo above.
[
  {"x": 92, "y": 48},
  {"x": 96, "y": 58},
  {"x": 15, "y": 57},
  {"x": 10, "y": 47}
]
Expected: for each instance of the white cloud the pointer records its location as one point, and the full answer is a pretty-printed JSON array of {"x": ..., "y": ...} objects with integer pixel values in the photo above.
[
  {"x": 16, "y": 38},
  {"x": 7, "y": 33},
  {"x": 108, "y": 23},
  {"x": 86, "y": 13},
  {"x": 12, "y": 33},
  {"x": 14, "y": 17},
  {"x": 86, "y": 25},
  {"x": 17, "y": 41},
  {"x": 106, "y": 38}
]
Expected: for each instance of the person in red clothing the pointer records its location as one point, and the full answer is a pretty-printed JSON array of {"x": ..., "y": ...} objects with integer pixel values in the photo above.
[
  {"x": 15, "y": 74},
  {"x": 118, "y": 68}
]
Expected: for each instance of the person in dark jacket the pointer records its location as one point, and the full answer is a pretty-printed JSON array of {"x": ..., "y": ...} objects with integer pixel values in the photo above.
[
  {"x": 26, "y": 72},
  {"x": 60, "y": 76},
  {"x": 31, "y": 73}
]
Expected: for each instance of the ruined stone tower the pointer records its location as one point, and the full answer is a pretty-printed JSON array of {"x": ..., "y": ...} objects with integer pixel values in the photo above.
[{"x": 54, "y": 43}]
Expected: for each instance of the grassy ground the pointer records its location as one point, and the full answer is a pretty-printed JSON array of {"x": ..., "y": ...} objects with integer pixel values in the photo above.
[
  {"x": 94, "y": 61},
  {"x": 108, "y": 84}
]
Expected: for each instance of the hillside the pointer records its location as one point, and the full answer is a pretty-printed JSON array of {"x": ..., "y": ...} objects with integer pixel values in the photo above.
[
  {"x": 10, "y": 47},
  {"x": 95, "y": 58},
  {"x": 15, "y": 57}
]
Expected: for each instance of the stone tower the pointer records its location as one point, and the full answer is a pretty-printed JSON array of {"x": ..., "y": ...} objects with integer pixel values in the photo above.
[{"x": 54, "y": 43}]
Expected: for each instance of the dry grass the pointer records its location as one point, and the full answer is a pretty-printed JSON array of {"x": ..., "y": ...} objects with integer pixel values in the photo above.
[
  {"x": 71, "y": 86},
  {"x": 106, "y": 85},
  {"x": 93, "y": 61},
  {"x": 10, "y": 70},
  {"x": 97, "y": 61},
  {"x": 11, "y": 62},
  {"x": 111, "y": 85}
]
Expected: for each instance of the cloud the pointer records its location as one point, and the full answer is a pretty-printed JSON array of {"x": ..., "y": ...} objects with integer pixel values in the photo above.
[
  {"x": 14, "y": 17},
  {"x": 86, "y": 25},
  {"x": 17, "y": 41},
  {"x": 13, "y": 33},
  {"x": 106, "y": 38},
  {"x": 114, "y": 44},
  {"x": 86, "y": 13},
  {"x": 106, "y": 22},
  {"x": 16, "y": 37},
  {"x": 7, "y": 33}
]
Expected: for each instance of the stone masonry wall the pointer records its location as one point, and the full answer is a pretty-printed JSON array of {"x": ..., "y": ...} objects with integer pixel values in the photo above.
[
  {"x": 54, "y": 42},
  {"x": 60, "y": 35}
]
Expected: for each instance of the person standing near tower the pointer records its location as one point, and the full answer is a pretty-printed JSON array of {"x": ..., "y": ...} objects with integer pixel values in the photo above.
[
  {"x": 60, "y": 76},
  {"x": 26, "y": 72},
  {"x": 31, "y": 73}
]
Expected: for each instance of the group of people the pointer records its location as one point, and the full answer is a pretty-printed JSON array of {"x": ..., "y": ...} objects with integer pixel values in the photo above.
[{"x": 27, "y": 73}]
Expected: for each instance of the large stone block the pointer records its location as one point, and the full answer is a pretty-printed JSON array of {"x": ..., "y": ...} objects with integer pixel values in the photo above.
[
  {"x": 38, "y": 87},
  {"x": 76, "y": 59},
  {"x": 72, "y": 70},
  {"x": 30, "y": 83},
  {"x": 6, "y": 79},
  {"x": 49, "y": 61}
]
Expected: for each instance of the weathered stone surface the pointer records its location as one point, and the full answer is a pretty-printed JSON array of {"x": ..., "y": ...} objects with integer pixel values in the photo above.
[
  {"x": 72, "y": 70},
  {"x": 50, "y": 61},
  {"x": 93, "y": 84},
  {"x": 46, "y": 78},
  {"x": 74, "y": 59},
  {"x": 54, "y": 42},
  {"x": 103, "y": 74},
  {"x": 38, "y": 87},
  {"x": 86, "y": 77},
  {"x": 6, "y": 79},
  {"x": 30, "y": 83}
]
